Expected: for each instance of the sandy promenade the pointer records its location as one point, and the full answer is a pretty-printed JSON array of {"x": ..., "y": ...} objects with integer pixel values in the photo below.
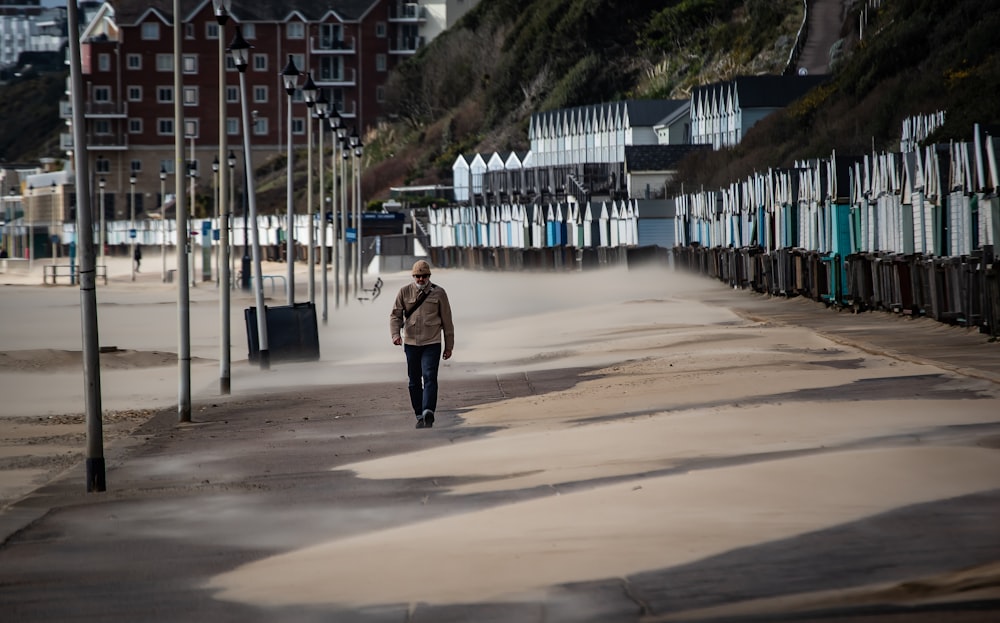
[{"x": 698, "y": 428}]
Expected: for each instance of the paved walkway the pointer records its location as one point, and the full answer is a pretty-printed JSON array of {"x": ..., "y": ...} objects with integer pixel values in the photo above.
[{"x": 825, "y": 20}]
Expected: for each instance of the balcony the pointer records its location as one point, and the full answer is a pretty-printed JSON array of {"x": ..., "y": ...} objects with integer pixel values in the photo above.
[
  {"x": 331, "y": 45},
  {"x": 406, "y": 45},
  {"x": 343, "y": 78},
  {"x": 117, "y": 141},
  {"x": 409, "y": 12},
  {"x": 106, "y": 109}
]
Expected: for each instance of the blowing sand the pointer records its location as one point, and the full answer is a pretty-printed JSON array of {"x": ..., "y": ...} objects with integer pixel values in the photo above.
[{"x": 698, "y": 430}]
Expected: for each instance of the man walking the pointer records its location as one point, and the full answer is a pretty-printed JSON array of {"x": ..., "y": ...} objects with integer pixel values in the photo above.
[{"x": 419, "y": 318}]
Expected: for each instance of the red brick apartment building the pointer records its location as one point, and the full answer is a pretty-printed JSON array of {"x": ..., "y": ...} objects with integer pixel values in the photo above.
[{"x": 349, "y": 46}]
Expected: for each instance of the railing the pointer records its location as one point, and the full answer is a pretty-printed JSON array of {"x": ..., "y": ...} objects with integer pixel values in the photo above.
[
  {"x": 320, "y": 44},
  {"x": 404, "y": 45},
  {"x": 337, "y": 78}
]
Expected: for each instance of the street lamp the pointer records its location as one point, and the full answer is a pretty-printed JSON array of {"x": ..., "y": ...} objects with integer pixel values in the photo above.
[
  {"x": 31, "y": 228},
  {"x": 217, "y": 201},
  {"x": 321, "y": 113},
  {"x": 131, "y": 224},
  {"x": 193, "y": 176},
  {"x": 309, "y": 94},
  {"x": 290, "y": 74},
  {"x": 240, "y": 50},
  {"x": 100, "y": 184},
  {"x": 163, "y": 223},
  {"x": 222, "y": 8},
  {"x": 335, "y": 122},
  {"x": 355, "y": 140},
  {"x": 53, "y": 237},
  {"x": 348, "y": 257},
  {"x": 358, "y": 151}
]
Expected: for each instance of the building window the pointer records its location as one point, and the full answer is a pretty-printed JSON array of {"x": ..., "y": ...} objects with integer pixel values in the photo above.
[
  {"x": 211, "y": 30},
  {"x": 165, "y": 95},
  {"x": 151, "y": 31},
  {"x": 300, "y": 61},
  {"x": 232, "y": 94},
  {"x": 298, "y": 126},
  {"x": 260, "y": 62},
  {"x": 260, "y": 95},
  {"x": 295, "y": 30},
  {"x": 104, "y": 62},
  {"x": 102, "y": 94},
  {"x": 135, "y": 126},
  {"x": 102, "y": 126},
  {"x": 135, "y": 94},
  {"x": 380, "y": 30},
  {"x": 380, "y": 62},
  {"x": 165, "y": 127},
  {"x": 164, "y": 62},
  {"x": 190, "y": 62},
  {"x": 167, "y": 166},
  {"x": 298, "y": 97},
  {"x": 249, "y": 31},
  {"x": 134, "y": 61},
  {"x": 103, "y": 165},
  {"x": 189, "y": 31},
  {"x": 380, "y": 94},
  {"x": 230, "y": 63},
  {"x": 135, "y": 166},
  {"x": 260, "y": 126},
  {"x": 190, "y": 128},
  {"x": 232, "y": 125},
  {"x": 190, "y": 96}
]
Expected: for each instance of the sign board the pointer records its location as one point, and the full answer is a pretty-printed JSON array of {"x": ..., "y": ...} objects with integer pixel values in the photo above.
[
  {"x": 206, "y": 227},
  {"x": 215, "y": 234},
  {"x": 351, "y": 234},
  {"x": 131, "y": 233}
]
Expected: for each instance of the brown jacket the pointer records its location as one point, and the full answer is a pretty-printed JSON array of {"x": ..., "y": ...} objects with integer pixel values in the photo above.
[{"x": 428, "y": 322}]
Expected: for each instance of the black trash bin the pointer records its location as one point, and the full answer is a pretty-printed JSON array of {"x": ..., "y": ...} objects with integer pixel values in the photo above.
[{"x": 292, "y": 334}]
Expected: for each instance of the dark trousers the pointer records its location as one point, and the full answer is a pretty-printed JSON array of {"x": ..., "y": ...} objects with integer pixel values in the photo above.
[{"x": 422, "y": 368}]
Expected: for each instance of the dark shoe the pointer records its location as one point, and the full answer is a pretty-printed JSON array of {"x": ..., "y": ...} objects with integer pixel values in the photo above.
[
  {"x": 421, "y": 423},
  {"x": 428, "y": 418}
]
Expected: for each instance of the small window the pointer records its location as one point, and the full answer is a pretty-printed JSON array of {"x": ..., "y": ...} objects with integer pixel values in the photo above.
[
  {"x": 102, "y": 126},
  {"x": 135, "y": 126},
  {"x": 298, "y": 126},
  {"x": 260, "y": 126},
  {"x": 135, "y": 166},
  {"x": 165, "y": 95},
  {"x": 165, "y": 127},
  {"x": 295, "y": 30},
  {"x": 151, "y": 31},
  {"x": 190, "y": 64},
  {"x": 190, "y": 96},
  {"x": 134, "y": 61},
  {"x": 380, "y": 94},
  {"x": 189, "y": 31},
  {"x": 232, "y": 126},
  {"x": 102, "y": 94},
  {"x": 260, "y": 62},
  {"x": 230, "y": 63},
  {"x": 211, "y": 30},
  {"x": 232, "y": 94},
  {"x": 249, "y": 31},
  {"x": 300, "y": 61},
  {"x": 380, "y": 62},
  {"x": 164, "y": 62},
  {"x": 103, "y": 165},
  {"x": 260, "y": 94},
  {"x": 190, "y": 128},
  {"x": 380, "y": 30},
  {"x": 104, "y": 62},
  {"x": 135, "y": 94}
]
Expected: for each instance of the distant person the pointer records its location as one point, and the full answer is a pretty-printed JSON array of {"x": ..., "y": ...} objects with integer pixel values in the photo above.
[
  {"x": 137, "y": 257},
  {"x": 3, "y": 253},
  {"x": 419, "y": 318}
]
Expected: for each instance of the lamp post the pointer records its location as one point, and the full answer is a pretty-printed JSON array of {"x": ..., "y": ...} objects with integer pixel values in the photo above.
[
  {"x": 163, "y": 224},
  {"x": 31, "y": 228},
  {"x": 335, "y": 122},
  {"x": 222, "y": 8},
  {"x": 309, "y": 94},
  {"x": 358, "y": 152},
  {"x": 131, "y": 222},
  {"x": 348, "y": 258},
  {"x": 241, "y": 52},
  {"x": 193, "y": 177},
  {"x": 53, "y": 237},
  {"x": 100, "y": 184},
  {"x": 290, "y": 74},
  {"x": 356, "y": 148},
  {"x": 321, "y": 113},
  {"x": 216, "y": 200}
]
